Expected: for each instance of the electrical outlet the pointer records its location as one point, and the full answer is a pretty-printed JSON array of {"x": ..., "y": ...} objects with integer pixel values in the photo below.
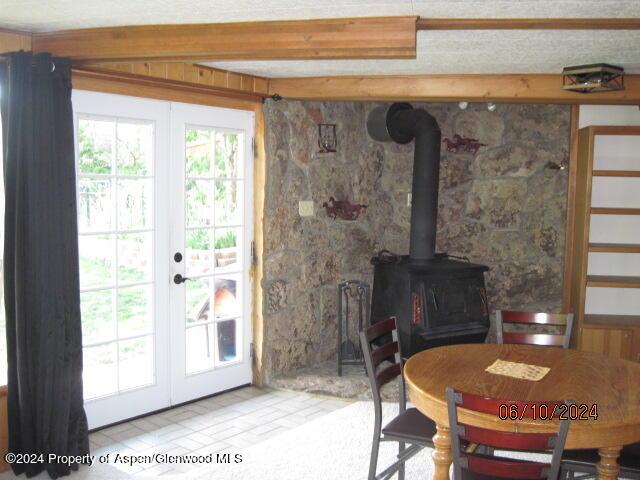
[
  {"x": 409, "y": 199},
  {"x": 305, "y": 208}
]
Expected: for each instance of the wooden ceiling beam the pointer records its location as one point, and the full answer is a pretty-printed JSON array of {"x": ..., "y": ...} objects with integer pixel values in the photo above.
[
  {"x": 450, "y": 88},
  {"x": 344, "y": 38},
  {"x": 528, "y": 24}
]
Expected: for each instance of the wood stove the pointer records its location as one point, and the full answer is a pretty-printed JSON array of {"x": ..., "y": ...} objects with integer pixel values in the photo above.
[
  {"x": 440, "y": 302},
  {"x": 437, "y": 299}
]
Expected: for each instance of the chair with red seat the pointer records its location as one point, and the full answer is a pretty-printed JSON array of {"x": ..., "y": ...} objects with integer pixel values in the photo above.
[
  {"x": 383, "y": 360},
  {"x": 474, "y": 465},
  {"x": 532, "y": 318}
]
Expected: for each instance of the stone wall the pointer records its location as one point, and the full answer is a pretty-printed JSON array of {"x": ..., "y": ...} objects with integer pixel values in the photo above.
[{"x": 500, "y": 207}]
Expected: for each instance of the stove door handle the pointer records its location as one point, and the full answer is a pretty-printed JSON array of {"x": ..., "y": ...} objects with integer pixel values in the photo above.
[{"x": 435, "y": 300}]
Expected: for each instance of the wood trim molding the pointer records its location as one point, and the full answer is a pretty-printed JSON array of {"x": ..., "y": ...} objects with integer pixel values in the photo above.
[
  {"x": 567, "y": 287},
  {"x": 177, "y": 85},
  {"x": 149, "y": 87},
  {"x": 510, "y": 88},
  {"x": 528, "y": 24},
  {"x": 342, "y": 38}
]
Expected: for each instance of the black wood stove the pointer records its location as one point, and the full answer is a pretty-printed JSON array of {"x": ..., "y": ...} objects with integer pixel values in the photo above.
[{"x": 437, "y": 299}]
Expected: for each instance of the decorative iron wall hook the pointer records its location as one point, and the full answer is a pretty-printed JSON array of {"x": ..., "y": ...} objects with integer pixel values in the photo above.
[{"x": 327, "y": 140}]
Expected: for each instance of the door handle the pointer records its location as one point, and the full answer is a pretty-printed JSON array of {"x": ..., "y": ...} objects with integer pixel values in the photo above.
[{"x": 178, "y": 279}]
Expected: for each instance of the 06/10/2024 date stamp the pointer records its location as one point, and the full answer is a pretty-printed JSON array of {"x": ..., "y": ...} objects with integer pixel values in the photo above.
[{"x": 542, "y": 411}]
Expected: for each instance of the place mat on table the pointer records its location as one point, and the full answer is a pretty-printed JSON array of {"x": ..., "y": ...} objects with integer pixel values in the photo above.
[{"x": 521, "y": 371}]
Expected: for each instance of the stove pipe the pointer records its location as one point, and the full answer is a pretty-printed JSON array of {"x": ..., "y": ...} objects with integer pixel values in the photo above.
[{"x": 402, "y": 123}]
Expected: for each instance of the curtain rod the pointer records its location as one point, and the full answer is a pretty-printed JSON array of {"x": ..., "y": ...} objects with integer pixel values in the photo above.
[{"x": 7, "y": 59}]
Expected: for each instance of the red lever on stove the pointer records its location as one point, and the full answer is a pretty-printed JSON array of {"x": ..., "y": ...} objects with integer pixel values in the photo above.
[{"x": 417, "y": 308}]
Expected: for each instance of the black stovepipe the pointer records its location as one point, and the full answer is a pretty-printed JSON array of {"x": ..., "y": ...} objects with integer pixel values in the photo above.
[{"x": 402, "y": 123}]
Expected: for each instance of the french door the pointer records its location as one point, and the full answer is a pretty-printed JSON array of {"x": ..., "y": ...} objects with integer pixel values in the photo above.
[
  {"x": 164, "y": 220},
  {"x": 211, "y": 234}
]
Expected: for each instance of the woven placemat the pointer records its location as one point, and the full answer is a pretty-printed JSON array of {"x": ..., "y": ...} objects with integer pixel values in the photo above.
[{"x": 522, "y": 371}]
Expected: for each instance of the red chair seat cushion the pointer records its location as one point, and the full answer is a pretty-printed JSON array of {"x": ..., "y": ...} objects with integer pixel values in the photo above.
[{"x": 412, "y": 425}]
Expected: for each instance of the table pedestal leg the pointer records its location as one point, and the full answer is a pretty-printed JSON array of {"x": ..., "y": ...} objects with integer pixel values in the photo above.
[
  {"x": 608, "y": 467},
  {"x": 442, "y": 453}
]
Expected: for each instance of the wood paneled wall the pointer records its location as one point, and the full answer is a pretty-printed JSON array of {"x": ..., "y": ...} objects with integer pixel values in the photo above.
[
  {"x": 11, "y": 41},
  {"x": 190, "y": 73}
]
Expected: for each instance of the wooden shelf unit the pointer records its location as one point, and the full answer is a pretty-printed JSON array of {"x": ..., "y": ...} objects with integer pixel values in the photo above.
[
  {"x": 614, "y": 247},
  {"x": 616, "y": 173},
  {"x": 613, "y": 281},
  {"x": 612, "y": 320},
  {"x": 614, "y": 211},
  {"x": 610, "y": 333}
]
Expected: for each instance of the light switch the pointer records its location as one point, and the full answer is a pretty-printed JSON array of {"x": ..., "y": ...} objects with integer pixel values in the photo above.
[
  {"x": 305, "y": 208},
  {"x": 409, "y": 199}
]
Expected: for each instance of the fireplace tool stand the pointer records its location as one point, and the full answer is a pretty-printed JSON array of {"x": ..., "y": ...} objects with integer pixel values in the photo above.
[{"x": 349, "y": 350}]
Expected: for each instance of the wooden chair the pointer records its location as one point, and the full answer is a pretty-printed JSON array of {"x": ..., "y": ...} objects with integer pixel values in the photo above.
[
  {"x": 531, "y": 318},
  {"x": 383, "y": 361},
  {"x": 481, "y": 463},
  {"x": 583, "y": 462}
]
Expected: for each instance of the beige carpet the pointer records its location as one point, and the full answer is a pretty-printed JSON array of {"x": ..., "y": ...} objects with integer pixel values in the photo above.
[{"x": 335, "y": 446}]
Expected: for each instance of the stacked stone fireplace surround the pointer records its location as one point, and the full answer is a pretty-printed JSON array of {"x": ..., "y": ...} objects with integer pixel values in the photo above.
[{"x": 501, "y": 207}]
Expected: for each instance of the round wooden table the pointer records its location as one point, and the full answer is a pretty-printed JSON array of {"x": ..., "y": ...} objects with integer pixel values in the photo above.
[{"x": 586, "y": 378}]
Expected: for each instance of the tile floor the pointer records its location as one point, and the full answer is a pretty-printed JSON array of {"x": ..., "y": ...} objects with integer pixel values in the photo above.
[{"x": 227, "y": 422}]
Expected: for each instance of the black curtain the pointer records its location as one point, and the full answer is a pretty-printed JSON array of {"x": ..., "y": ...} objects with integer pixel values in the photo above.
[{"x": 41, "y": 274}]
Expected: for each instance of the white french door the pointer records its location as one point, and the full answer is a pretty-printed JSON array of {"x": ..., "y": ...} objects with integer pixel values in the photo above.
[
  {"x": 211, "y": 232},
  {"x": 146, "y": 193}
]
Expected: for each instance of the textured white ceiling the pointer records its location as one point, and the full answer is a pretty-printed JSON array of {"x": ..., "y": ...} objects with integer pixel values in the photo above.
[
  {"x": 438, "y": 51},
  {"x": 526, "y": 51},
  {"x": 43, "y": 15}
]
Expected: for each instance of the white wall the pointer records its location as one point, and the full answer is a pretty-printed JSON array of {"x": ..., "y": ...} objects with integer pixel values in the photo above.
[{"x": 609, "y": 115}]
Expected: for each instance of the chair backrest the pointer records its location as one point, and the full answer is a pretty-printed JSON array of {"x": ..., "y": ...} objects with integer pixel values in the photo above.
[
  {"x": 380, "y": 343},
  {"x": 503, "y": 467},
  {"x": 532, "y": 318}
]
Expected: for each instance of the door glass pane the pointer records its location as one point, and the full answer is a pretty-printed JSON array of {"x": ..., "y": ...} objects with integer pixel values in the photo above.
[
  {"x": 98, "y": 320},
  {"x": 135, "y": 363},
  {"x": 228, "y": 202},
  {"x": 113, "y": 202},
  {"x": 199, "y": 146},
  {"x": 199, "y": 254},
  {"x": 134, "y": 311},
  {"x": 227, "y": 250},
  {"x": 95, "y": 145},
  {"x": 226, "y": 297},
  {"x": 228, "y": 162},
  {"x": 97, "y": 260},
  {"x": 227, "y": 341},
  {"x": 199, "y": 211},
  {"x": 95, "y": 207},
  {"x": 134, "y": 204},
  {"x": 100, "y": 364},
  {"x": 198, "y": 295},
  {"x": 199, "y": 348},
  {"x": 135, "y": 256},
  {"x": 135, "y": 148}
]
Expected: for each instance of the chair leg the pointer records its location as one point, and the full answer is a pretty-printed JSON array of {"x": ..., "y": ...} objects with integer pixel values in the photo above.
[
  {"x": 401, "y": 467},
  {"x": 373, "y": 463}
]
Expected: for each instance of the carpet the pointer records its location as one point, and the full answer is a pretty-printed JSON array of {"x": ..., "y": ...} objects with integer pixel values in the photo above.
[{"x": 335, "y": 446}]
